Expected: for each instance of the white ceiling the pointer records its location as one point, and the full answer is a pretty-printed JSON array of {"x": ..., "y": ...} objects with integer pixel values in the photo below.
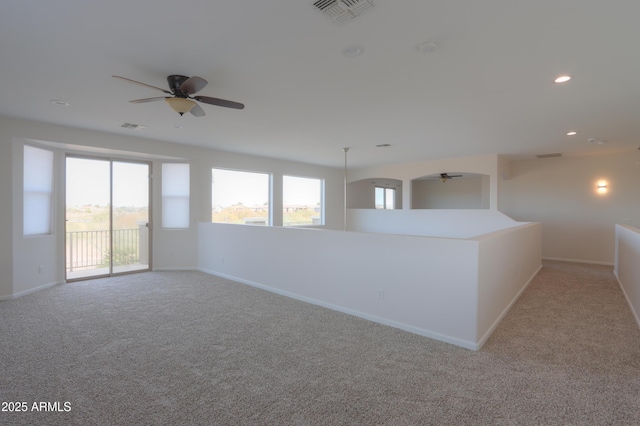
[{"x": 487, "y": 89}]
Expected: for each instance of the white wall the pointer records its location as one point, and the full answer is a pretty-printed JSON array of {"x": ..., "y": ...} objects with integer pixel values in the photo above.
[
  {"x": 507, "y": 260},
  {"x": 361, "y": 193},
  {"x": 434, "y": 223},
  {"x": 406, "y": 172},
  {"x": 433, "y": 295},
  {"x": 172, "y": 249},
  {"x": 37, "y": 260},
  {"x": 578, "y": 224},
  {"x": 456, "y": 193},
  {"x": 6, "y": 215},
  {"x": 429, "y": 285},
  {"x": 627, "y": 265}
]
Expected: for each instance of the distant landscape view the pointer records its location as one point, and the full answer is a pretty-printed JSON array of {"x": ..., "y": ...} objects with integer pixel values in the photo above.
[
  {"x": 292, "y": 215},
  {"x": 243, "y": 198},
  {"x": 88, "y": 237}
]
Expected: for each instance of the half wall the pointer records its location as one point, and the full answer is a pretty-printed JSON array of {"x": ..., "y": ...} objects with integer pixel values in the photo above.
[
  {"x": 627, "y": 265},
  {"x": 430, "y": 286}
]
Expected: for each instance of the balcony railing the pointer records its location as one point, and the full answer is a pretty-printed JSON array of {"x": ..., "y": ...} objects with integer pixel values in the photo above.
[{"x": 93, "y": 249}]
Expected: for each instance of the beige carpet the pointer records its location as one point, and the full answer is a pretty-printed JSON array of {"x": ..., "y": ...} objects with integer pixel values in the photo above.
[{"x": 188, "y": 348}]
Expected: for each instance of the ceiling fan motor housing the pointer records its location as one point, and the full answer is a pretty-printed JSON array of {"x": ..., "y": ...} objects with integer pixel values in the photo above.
[{"x": 175, "y": 81}]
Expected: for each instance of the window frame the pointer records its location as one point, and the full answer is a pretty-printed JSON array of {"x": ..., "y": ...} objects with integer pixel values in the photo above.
[
  {"x": 385, "y": 202},
  {"x": 269, "y": 176},
  {"x": 321, "y": 182}
]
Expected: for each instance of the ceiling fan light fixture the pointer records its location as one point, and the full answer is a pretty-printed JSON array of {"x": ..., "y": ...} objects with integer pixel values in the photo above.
[{"x": 180, "y": 105}]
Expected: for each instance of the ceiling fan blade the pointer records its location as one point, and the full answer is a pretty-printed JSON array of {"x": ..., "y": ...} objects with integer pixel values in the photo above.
[
  {"x": 141, "y": 101},
  {"x": 219, "y": 102},
  {"x": 193, "y": 84},
  {"x": 141, "y": 84},
  {"x": 197, "y": 111}
]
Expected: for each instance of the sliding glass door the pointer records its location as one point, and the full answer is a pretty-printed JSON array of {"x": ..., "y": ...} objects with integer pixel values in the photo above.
[{"x": 107, "y": 217}]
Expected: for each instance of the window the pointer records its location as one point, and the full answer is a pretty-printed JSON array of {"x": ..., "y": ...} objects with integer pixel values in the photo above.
[
  {"x": 175, "y": 195},
  {"x": 240, "y": 197},
  {"x": 385, "y": 198},
  {"x": 37, "y": 191},
  {"x": 301, "y": 201}
]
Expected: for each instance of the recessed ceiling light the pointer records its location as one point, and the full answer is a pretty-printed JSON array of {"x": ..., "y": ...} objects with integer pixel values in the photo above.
[
  {"x": 563, "y": 79},
  {"x": 177, "y": 126},
  {"x": 353, "y": 51},
  {"x": 572, "y": 133},
  {"x": 59, "y": 103}
]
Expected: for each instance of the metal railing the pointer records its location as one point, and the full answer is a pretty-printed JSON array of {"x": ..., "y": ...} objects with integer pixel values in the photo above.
[{"x": 93, "y": 249}]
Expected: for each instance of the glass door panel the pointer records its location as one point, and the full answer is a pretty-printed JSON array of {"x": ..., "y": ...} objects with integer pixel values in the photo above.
[
  {"x": 130, "y": 217},
  {"x": 88, "y": 217}
]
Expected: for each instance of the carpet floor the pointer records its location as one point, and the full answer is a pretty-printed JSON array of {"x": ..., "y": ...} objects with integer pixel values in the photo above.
[{"x": 187, "y": 348}]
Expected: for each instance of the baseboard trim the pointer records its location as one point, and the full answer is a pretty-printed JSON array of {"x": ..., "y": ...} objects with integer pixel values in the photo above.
[
  {"x": 31, "y": 290},
  {"x": 491, "y": 329},
  {"x": 626, "y": 296},
  {"x": 384, "y": 321},
  {"x": 589, "y": 262},
  {"x": 175, "y": 268}
]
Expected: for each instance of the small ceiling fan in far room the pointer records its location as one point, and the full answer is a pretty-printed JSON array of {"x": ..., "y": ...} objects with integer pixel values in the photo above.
[
  {"x": 181, "y": 88},
  {"x": 444, "y": 177}
]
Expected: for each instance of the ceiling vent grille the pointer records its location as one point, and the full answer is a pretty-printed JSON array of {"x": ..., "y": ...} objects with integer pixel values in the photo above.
[
  {"x": 132, "y": 126},
  {"x": 341, "y": 11},
  {"x": 557, "y": 154}
]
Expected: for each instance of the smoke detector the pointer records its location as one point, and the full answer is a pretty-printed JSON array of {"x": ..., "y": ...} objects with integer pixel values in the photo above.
[
  {"x": 427, "y": 47},
  {"x": 341, "y": 11}
]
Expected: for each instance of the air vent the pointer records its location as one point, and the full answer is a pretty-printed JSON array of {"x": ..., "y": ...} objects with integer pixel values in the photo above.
[
  {"x": 132, "y": 126},
  {"x": 341, "y": 11},
  {"x": 557, "y": 154}
]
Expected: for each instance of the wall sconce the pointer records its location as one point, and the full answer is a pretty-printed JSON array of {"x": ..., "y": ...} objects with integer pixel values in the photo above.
[{"x": 602, "y": 187}]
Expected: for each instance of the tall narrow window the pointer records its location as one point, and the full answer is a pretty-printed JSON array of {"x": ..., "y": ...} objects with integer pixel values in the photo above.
[
  {"x": 175, "y": 195},
  {"x": 37, "y": 190},
  {"x": 385, "y": 198},
  {"x": 240, "y": 197},
  {"x": 301, "y": 201}
]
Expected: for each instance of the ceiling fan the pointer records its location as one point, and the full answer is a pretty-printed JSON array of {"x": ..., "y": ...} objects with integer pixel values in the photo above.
[
  {"x": 444, "y": 177},
  {"x": 181, "y": 88}
]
